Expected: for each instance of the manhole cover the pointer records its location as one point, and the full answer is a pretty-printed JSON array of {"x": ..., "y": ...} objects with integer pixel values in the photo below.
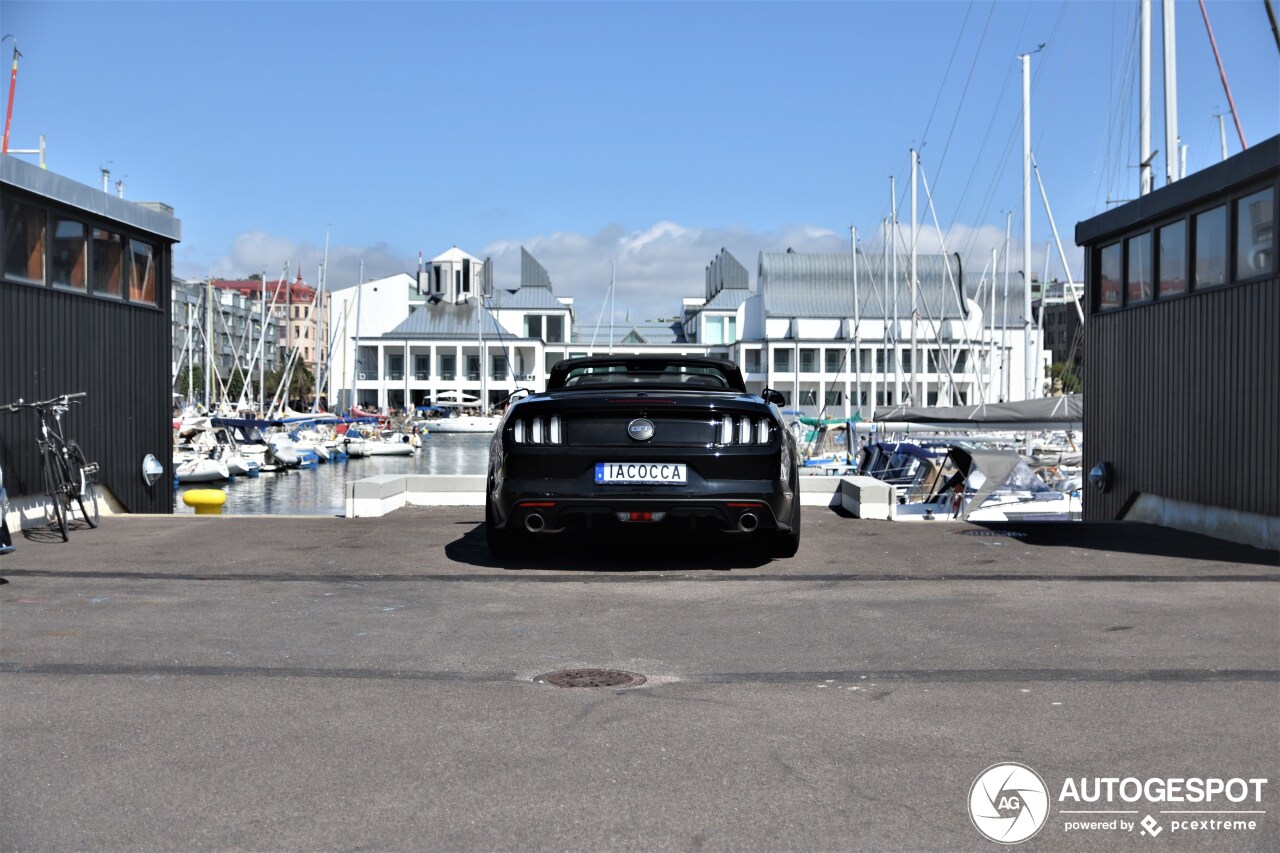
[
  {"x": 1014, "y": 534},
  {"x": 592, "y": 678}
]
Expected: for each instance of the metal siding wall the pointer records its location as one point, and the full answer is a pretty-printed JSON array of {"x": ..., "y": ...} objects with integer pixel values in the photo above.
[
  {"x": 57, "y": 342},
  {"x": 1183, "y": 399}
]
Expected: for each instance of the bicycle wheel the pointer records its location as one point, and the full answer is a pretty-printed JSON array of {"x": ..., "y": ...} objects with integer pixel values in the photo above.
[
  {"x": 55, "y": 488},
  {"x": 82, "y": 483}
]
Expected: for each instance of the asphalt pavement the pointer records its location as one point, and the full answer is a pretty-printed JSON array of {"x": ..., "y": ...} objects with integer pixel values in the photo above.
[{"x": 180, "y": 683}]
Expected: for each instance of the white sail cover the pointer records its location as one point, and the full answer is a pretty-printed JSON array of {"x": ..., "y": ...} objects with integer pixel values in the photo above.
[{"x": 1066, "y": 412}]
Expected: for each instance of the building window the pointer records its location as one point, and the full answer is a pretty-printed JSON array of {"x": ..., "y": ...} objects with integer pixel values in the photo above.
[
  {"x": 555, "y": 329},
  {"x": 906, "y": 361},
  {"x": 782, "y": 361},
  {"x": 499, "y": 367},
  {"x": 880, "y": 361},
  {"x": 1173, "y": 259},
  {"x": 1109, "y": 277},
  {"x": 962, "y": 361},
  {"x": 715, "y": 331},
  {"x": 142, "y": 272},
  {"x": 864, "y": 361},
  {"x": 834, "y": 360},
  {"x": 108, "y": 263},
  {"x": 70, "y": 253},
  {"x": 533, "y": 326},
  {"x": 1255, "y": 234},
  {"x": 448, "y": 366},
  {"x": 395, "y": 367},
  {"x": 835, "y": 398},
  {"x": 1138, "y": 279},
  {"x": 808, "y": 361},
  {"x": 753, "y": 361},
  {"x": 809, "y": 397},
  {"x": 24, "y": 242},
  {"x": 421, "y": 367},
  {"x": 1211, "y": 248},
  {"x": 473, "y": 368}
]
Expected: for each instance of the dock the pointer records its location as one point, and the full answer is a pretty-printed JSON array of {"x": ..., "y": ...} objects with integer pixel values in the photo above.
[{"x": 206, "y": 683}]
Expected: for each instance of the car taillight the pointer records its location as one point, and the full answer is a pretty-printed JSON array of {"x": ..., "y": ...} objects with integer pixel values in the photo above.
[
  {"x": 537, "y": 431},
  {"x": 743, "y": 431}
]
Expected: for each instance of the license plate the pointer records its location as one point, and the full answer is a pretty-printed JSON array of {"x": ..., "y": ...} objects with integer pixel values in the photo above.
[{"x": 658, "y": 473}]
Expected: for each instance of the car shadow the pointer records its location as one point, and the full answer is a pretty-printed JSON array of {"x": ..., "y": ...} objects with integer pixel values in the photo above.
[{"x": 616, "y": 551}]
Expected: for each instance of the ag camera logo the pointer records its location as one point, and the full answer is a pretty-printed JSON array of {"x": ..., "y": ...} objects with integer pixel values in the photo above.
[{"x": 1008, "y": 803}]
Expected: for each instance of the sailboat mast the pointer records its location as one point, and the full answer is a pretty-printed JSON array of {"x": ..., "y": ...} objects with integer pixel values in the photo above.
[
  {"x": 893, "y": 239},
  {"x": 321, "y": 305},
  {"x": 1144, "y": 96},
  {"x": 918, "y": 397},
  {"x": 857, "y": 327},
  {"x": 1029, "y": 356},
  {"x": 262, "y": 344},
  {"x": 1170, "y": 95},
  {"x": 992, "y": 387},
  {"x": 355, "y": 354},
  {"x": 1005, "y": 377},
  {"x": 208, "y": 345}
]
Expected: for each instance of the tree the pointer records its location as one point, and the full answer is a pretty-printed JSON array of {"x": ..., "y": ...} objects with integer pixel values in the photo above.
[
  {"x": 302, "y": 384},
  {"x": 1064, "y": 373}
]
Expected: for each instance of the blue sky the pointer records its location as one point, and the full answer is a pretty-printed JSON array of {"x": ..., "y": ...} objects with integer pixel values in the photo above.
[{"x": 649, "y": 134}]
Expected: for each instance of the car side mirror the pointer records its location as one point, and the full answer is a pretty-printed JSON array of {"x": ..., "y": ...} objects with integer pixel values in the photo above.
[{"x": 775, "y": 397}]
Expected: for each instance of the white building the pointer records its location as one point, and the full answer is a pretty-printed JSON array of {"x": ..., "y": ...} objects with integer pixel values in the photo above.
[
  {"x": 232, "y": 345},
  {"x": 797, "y": 331}
]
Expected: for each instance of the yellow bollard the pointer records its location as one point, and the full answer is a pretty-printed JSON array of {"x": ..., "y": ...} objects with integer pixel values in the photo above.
[{"x": 205, "y": 501}]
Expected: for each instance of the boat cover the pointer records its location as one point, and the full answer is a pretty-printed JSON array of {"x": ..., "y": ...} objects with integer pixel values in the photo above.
[{"x": 1066, "y": 412}]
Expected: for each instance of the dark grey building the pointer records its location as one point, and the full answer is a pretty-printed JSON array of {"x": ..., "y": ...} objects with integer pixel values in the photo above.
[
  {"x": 1182, "y": 354},
  {"x": 84, "y": 306}
]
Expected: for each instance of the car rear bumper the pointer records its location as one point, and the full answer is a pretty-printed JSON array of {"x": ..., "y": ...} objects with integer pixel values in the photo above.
[{"x": 542, "y": 506}]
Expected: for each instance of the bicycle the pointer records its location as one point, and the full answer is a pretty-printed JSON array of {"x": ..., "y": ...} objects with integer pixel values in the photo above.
[
  {"x": 68, "y": 477},
  {"x": 6, "y": 541}
]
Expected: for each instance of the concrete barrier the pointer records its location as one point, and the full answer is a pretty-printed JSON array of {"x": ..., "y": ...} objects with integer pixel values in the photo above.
[
  {"x": 375, "y": 496},
  {"x": 864, "y": 497},
  {"x": 818, "y": 490},
  {"x": 867, "y": 497}
]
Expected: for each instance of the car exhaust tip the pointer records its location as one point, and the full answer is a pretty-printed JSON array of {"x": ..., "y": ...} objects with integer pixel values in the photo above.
[
  {"x": 534, "y": 522},
  {"x": 748, "y": 522}
]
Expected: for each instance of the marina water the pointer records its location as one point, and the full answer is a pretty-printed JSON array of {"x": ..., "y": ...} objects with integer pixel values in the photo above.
[{"x": 322, "y": 490}]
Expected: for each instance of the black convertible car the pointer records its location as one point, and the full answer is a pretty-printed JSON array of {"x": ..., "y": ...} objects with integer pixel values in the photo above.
[{"x": 657, "y": 441}]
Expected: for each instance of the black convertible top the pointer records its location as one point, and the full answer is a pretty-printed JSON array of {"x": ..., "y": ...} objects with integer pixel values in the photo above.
[{"x": 668, "y": 370}]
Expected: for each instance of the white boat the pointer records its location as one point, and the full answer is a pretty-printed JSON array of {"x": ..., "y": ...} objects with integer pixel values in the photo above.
[
  {"x": 281, "y": 450},
  {"x": 464, "y": 423},
  {"x": 383, "y": 447},
  {"x": 201, "y": 470},
  {"x": 986, "y": 485}
]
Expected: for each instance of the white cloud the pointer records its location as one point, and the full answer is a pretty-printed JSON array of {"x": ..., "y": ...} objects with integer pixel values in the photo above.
[
  {"x": 656, "y": 267},
  {"x": 259, "y": 252}
]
